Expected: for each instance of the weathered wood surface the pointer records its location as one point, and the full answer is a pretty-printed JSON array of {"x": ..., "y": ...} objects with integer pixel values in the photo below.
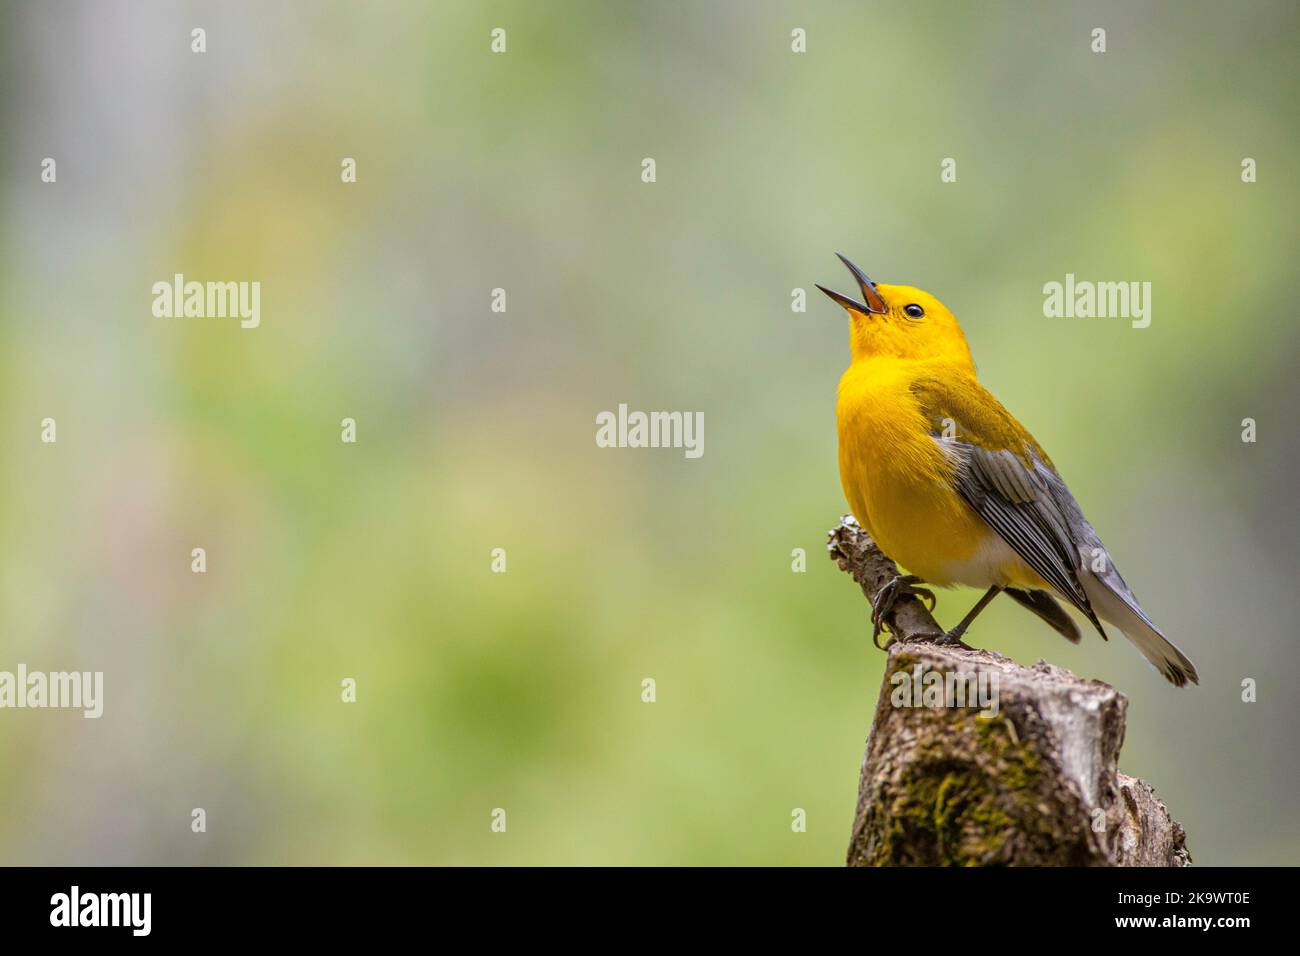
[{"x": 1025, "y": 775}]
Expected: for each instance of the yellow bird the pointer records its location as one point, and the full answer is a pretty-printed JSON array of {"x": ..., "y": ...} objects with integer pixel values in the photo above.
[{"x": 955, "y": 490}]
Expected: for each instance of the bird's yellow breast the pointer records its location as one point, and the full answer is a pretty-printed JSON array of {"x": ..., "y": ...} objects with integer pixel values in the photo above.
[{"x": 899, "y": 483}]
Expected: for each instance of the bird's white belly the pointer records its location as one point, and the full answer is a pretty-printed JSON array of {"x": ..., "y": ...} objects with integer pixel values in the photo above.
[{"x": 991, "y": 563}]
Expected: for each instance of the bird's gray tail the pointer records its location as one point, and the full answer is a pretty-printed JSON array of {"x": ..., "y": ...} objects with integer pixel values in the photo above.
[
  {"x": 1046, "y": 607},
  {"x": 1115, "y": 604}
]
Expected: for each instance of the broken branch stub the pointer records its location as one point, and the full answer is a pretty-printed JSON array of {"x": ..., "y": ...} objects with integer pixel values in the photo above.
[{"x": 986, "y": 762}]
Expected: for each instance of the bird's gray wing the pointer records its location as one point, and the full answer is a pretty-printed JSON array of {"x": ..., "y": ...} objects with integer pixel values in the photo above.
[
  {"x": 1019, "y": 505},
  {"x": 1003, "y": 475},
  {"x": 1007, "y": 479},
  {"x": 1110, "y": 595}
]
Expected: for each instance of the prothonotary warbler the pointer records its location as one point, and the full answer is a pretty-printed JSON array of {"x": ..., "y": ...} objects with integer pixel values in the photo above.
[{"x": 955, "y": 490}]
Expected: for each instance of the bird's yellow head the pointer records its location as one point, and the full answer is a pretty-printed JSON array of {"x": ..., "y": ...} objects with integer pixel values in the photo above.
[{"x": 899, "y": 321}]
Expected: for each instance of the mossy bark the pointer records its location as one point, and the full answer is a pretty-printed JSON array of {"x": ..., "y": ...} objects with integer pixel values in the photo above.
[{"x": 1026, "y": 775}]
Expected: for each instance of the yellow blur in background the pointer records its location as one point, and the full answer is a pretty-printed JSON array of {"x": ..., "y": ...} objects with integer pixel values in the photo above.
[{"x": 522, "y": 171}]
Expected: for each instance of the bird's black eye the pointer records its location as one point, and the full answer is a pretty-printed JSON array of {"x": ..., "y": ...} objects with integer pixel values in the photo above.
[{"x": 914, "y": 310}]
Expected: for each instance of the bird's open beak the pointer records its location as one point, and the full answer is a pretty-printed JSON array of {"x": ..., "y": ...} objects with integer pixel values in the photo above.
[{"x": 875, "y": 305}]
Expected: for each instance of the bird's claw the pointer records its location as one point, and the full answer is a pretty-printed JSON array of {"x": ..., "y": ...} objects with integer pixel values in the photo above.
[{"x": 882, "y": 605}]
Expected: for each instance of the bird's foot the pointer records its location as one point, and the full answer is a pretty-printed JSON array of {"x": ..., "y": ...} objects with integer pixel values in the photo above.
[
  {"x": 952, "y": 637},
  {"x": 882, "y": 605}
]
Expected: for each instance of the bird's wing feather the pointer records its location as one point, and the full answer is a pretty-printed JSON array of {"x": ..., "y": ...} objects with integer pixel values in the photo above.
[
  {"x": 1111, "y": 596},
  {"x": 1000, "y": 471}
]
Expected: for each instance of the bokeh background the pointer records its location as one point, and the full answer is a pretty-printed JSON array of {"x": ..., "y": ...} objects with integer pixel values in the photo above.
[{"x": 476, "y": 429}]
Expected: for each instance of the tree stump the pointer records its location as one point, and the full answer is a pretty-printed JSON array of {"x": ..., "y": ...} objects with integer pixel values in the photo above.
[{"x": 974, "y": 760}]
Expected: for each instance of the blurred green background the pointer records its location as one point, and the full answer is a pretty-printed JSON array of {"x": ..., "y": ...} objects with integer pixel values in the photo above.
[{"x": 476, "y": 429}]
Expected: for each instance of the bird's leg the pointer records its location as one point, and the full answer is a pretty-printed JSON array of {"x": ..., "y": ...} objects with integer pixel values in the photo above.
[
  {"x": 883, "y": 603},
  {"x": 955, "y": 635}
]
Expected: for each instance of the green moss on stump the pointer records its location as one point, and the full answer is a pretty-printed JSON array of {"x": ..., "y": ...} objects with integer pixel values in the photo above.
[{"x": 996, "y": 805}]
